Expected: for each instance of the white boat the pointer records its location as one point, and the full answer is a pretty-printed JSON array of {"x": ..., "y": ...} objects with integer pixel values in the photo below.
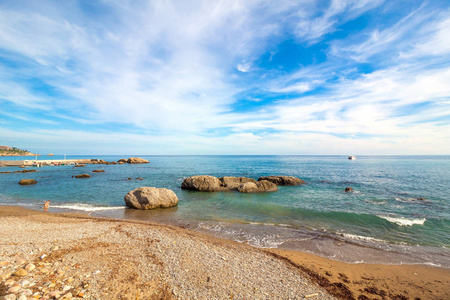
[{"x": 352, "y": 157}]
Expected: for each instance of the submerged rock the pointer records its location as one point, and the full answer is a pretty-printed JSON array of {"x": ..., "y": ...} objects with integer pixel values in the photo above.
[
  {"x": 150, "y": 198},
  {"x": 283, "y": 180},
  {"x": 258, "y": 187},
  {"x": 98, "y": 171},
  {"x": 348, "y": 189},
  {"x": 83, "y": 176},
  {"x": 79, "y": 166},
  {"x": 137, "y": 160},
  {"x": 27, "y": 181}
]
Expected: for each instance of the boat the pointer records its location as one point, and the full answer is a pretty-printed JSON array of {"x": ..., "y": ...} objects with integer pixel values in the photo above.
[{"x": 352, "y": 157}]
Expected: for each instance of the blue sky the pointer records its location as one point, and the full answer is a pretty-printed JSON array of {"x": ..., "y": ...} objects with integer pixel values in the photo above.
[{"x": 225, "y": 77}]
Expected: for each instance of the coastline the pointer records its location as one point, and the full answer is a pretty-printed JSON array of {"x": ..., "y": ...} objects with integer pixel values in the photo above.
[{"x": 347, "y": 281}]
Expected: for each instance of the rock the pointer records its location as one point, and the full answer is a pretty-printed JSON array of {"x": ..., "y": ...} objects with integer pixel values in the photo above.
[
  {"x": 20, "y": 273},
  {"x": 54, "y": 294},
  {"x": 113, "y": 163},
  {"x": 421, "y": 199},
  {"x": 129, "y": 178},
  {"x": 30, "y": 267},
  {"x": 50, "y": 154},
  {"x": 121, "y": 163},
  {"x": 98, "y": 171},
  {"x": 79, "y": 166},
  {"x": 139, "y": 178},
  {"x": 137, "y": 160},
  {"x": 150, "y": 198},
  {"x": 348, "y": 189},
  {"x": 5, "y": 276},
  {"x": 15, "y": 288},
  {"x": 54, "y": 248},
  {"x": 258, "y": 187},
  {"x": 202, "y": 183},
  {"x": 233, "y": 183},
  {"x": 22, "y": 297},
  {"x": 83, "y": 176},
  {"x": 27, "y": 181},
  {"x": 122, "y": 160},
  {"x": 283, "y": 180},
  {"x": 10, "y": 297},
  {"x": 45, "y": 271}
]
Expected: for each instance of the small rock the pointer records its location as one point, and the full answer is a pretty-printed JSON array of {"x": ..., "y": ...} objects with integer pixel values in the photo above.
[
  {"x": 51, "y": 285},
  {"x": 54, "y": 294},
  {"x": 44, "y": 270},
  {"x": 21, "y": 273},
  {"x": 66, "y": 288},
  {"x": 67, "y": 296},
  {"x": 24, "y": 283},
  {"x": 14, "y": 288},
  {"x": 22, "y": 297},
  {"x": 348, "y": 189},
  {"x": 5, "y": 276},
  {"x": 10, "y": 297},
  {"x": 30, "y": 267},
  {"x": 54, "y": 248}
]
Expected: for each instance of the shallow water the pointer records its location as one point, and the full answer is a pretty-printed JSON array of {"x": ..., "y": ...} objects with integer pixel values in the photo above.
[{"x": 383, "y": 213}]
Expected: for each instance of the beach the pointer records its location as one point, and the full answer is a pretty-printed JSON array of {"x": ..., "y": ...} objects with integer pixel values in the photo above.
[{"x": 78, "y": 256}]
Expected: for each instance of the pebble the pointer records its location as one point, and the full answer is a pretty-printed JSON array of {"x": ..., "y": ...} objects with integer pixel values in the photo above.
[
  {"x": 10, "y": 297},
  {"x": 44, "y": 270},
  {"x": 5, "y": 276},
  {"x": 24, "y": 283},
  {"x": 23, "y": 297},
  {"x": 21, "y": 273},
  {"x": 30, "y": 267},
  {"x": 54, "y": 294},
  {"x": 14, "y": 288},
  {"x": 54, "y": 248}
]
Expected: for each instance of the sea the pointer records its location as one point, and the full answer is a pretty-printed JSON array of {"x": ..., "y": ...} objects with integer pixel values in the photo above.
[{"x": 398, "y": 212}]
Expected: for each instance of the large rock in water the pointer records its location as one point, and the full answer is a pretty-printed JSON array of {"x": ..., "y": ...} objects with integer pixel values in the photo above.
[
  {"x": 258, "y": 187},
  {"x": 233, "y": 183},
  {"x": 150, "y": 198},
  {"x": 283, "y": 180},
  {"x": 137, "y": 160},
  {"x": 202, "y": 183},
  {"x": 83, "y": 176},
  {"x": 27, "y": 181}
]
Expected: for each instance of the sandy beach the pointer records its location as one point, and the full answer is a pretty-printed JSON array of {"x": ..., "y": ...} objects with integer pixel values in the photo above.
[{"x": 48, "y": 255}]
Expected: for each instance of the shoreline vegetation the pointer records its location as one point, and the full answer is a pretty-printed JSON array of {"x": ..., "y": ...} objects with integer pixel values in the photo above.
[{"x": 77, "y": 255}]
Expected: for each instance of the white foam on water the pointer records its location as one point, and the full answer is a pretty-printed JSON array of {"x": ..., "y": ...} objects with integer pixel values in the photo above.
[
  {"x": 402, "y": 221},
  {"x": 87, "y": 207},
  {"x": 361, "y": 238}
]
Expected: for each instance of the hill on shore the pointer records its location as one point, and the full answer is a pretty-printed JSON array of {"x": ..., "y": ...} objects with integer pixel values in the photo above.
[{"x": 13, "y": 151}]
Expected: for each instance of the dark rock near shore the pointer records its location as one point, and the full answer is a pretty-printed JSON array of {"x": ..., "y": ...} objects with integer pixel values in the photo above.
[
  {"x": 98, "y": 171},
  {"x": 348, "y": 189},
  {"x": 27, "y": 181},
  {"x": 83, "y": 176},
  {"x": 283, "y": 180},
  {"x": 137, "y": 160},
  {"x": 79, "y": 166},
  {"x": 258, "y": 187},
  {"x": 150, "y": 198}
]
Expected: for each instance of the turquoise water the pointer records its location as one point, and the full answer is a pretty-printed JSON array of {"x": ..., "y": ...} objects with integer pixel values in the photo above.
[{"x": 383, "y": 213}]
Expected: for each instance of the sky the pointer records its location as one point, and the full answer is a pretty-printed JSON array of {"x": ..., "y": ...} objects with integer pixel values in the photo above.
[{"x": 307, "y": 77}]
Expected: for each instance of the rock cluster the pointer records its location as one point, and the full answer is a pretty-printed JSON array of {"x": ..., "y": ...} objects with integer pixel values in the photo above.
[
  {"x": 283, "y": 180},
  {"x": 150, "y": 198},
  {"x": 27, "y": 181},
  {"x": 205, "y": 183}
]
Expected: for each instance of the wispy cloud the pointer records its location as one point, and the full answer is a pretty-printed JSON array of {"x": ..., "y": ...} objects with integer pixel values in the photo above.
[{"x": 177, "y": 73}]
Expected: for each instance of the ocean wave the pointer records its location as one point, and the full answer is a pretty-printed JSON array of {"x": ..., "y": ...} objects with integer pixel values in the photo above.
[
  {"x": 402, "y": 221},
  {"x": 87, "y": 207},
  {"x": 361, "y": 238}
]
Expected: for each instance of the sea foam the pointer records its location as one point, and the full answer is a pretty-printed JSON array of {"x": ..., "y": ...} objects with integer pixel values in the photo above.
[
  {"x": 402, "y": 221},
  {"x": 87, "y": 207}
]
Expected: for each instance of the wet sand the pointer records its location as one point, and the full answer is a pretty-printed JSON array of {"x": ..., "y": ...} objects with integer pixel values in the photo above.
[{"x": 200, "y": 265}]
